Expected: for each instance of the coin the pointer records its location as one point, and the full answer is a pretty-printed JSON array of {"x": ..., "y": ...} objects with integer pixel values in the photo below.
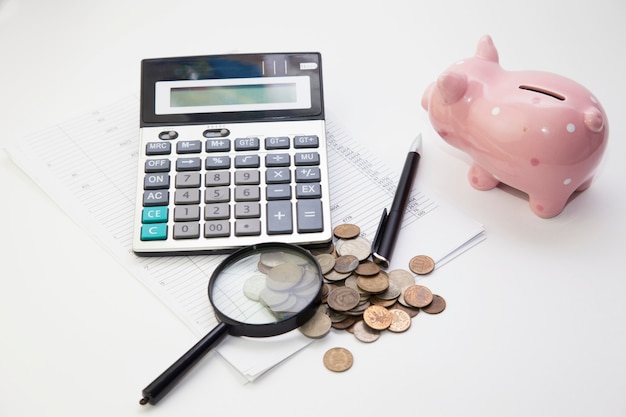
[
  {"x": 347, "y": 231},
  {"x": 436, "y": 306},
  {"x": 400, "y": 321},
  {"x": 375, "y": 284},
  {"x": 421, "y": 264},
  {"x": 364, "y": 333},
  {"x": 284, "y": 276},
  {"x": 401, "y": 278},
  {"x": 367, "y": 268},
  {"x": 359, "y": 247},
  {"x": 377, "y": 317},
  {"x": 418, "y": 296},
  {"x": 326, "y": 261},
  {"x": 317, "y": 326},
  {"x": 338, "y": 359},
  {"x": 346, "y": 263},
  {"x": 343, "y": 298},
  {"x": 253, "y": 286}
]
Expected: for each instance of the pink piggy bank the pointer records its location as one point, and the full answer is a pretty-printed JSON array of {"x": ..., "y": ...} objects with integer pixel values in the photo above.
[{"x": 538, "y": 132}]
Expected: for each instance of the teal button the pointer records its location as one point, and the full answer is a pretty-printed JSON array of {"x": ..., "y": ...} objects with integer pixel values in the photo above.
[
  {"x": 157, "y": 214},
  {"x": 157, "y": 231}
]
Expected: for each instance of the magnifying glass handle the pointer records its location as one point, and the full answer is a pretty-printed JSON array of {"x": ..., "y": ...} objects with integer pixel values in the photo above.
[{"x": 153, "y": 393}]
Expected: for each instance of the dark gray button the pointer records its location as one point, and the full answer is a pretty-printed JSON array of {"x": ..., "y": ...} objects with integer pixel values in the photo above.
[
  {"x": 156, "y": 181},
  {"x": 279, "y": 218},
  {"x": 158, "y": 148},
  {"x": 309, "y": 215}
]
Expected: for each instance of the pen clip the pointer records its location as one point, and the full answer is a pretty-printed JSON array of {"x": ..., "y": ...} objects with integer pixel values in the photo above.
[{"x": 379, "y": 231}]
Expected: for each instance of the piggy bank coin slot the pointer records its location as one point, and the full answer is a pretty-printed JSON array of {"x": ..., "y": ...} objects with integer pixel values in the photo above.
[{"x": 542, "y": 91}]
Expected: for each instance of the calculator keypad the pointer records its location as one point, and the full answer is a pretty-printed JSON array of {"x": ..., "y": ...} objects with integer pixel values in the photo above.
[{"x": 218, "y": 194}]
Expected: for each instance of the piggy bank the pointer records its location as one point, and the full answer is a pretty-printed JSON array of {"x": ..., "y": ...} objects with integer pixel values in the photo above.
[{"x": 538, "y": 132}]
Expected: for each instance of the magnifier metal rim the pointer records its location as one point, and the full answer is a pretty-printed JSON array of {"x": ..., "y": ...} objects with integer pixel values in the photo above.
[{"x": 238, "y": 328}]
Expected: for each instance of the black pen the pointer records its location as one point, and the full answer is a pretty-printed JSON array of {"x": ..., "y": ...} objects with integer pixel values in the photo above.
[{"x": 390, "y": 223}]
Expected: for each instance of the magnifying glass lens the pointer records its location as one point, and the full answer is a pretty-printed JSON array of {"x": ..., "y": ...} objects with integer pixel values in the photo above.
[{"x": 265, "y": 286}]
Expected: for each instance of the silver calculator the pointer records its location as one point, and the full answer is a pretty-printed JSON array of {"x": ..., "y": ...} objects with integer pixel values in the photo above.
[{"x": 232, "y": 153}]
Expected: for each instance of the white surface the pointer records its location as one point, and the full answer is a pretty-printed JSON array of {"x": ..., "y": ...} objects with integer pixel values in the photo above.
[{"x": 535, "y": 319}]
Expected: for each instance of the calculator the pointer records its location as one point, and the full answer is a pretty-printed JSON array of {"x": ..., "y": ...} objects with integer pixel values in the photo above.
[{"x": 232, "y": 153}]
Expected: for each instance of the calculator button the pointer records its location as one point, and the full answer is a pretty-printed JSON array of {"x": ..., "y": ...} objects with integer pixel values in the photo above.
[
  {"x": 247, "y": 177},
  {"x": 217, "y": 145},
  {"x": 247, "y": 161},
  {"x": 246, "y": 193},
  {"x": 247, "y": 227},
  {"x": 308, "y": 141},
  {"x": 186, "y": 230},
  {"x": 217, "y": 162},
  {"x": 186, "y": 213},
  {"x": 247, "y": 210},
  {"x": 217, "y": 195},
  {"x": 277, "y": 175},
  {"x": 279, "y": 220},
  {"x": 187, "y": 180},
  {"x": 188, "y": 164},
  {"x": 168, "y": 135},
  {"x": 216, "y": 133},
  {"x": 309, "y": 190},
  {"x": 217, "y": 228},
  {"x": 308, "y": 174},
  {"x": 278, "y": 192},
  {"x": 156, "y": 198},
  {"x": 307, "y": 158},
  {"x": 216, "y": 178},
  {"x": 189, "y": 146},
  {"x": 156, "y": 181},
  {"x": 157, "y": 165},
  {"x": 277, "y": 160},
  {"x": 158, "y": 148},
  {"x": 277, "y": 142},
  {"x": 157, "y": 214},
  {"x": 247, "y": 144},
  {"x": 309, "y": 215},
  {"x": 217, "y": 211},
  {"x": 187, "y": 196},
  {"x": 154, "y": 231}
]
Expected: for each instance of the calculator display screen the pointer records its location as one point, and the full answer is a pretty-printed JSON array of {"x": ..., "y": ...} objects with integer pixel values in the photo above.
[
  {"x": 231, "y": 88},
  {"x": 239, "y": 94}
]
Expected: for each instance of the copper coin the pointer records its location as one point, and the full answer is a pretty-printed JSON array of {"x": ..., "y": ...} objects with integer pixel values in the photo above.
[
  {"x": 400, "y": 320},
  {"x": 338, "y": 359},
  {"x": 374, "y": 284},
  {"x": 422, "y": 264},
  {"x": 377, "y": 317},
  {"x": 367, "y": 268},
  {"x": 347, "y": 231},
  {"x": 418, "y": 296},
  {"x": 436, "y": 306},
  {"x": 412, "y": 311},
  {"x": 346, "y": 263},
  {"x": 343, "y": 298}
]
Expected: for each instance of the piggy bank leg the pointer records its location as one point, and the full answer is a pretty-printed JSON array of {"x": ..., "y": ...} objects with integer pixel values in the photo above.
[
  {"x": 481, "y": 179},
  {"x": 547, "y": 206}
]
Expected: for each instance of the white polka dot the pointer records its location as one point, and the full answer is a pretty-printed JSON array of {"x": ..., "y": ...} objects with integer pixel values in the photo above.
[
  {"x": 567, "y": 181},
  {"x": 495, "y": 111},
  {"x": 571, "y": 128}
]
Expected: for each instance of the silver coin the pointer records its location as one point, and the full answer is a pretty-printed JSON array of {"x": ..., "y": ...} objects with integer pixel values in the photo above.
[{"x": 364, "y": 333}]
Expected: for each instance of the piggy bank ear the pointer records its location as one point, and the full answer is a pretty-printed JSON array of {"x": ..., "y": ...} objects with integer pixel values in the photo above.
[
  {"x": 452, "y": 86},
  {"x": 487, "y": 50}
]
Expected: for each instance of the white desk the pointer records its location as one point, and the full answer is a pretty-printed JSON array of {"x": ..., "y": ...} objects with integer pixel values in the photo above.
[{"x": 536, "y": 316}]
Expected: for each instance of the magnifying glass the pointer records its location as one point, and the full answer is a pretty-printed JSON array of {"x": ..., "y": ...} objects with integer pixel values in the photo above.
[{"x": 258, "y": 291}]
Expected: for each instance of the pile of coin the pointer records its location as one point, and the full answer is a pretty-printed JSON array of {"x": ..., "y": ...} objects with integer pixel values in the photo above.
[{"x": 362, "y": 298}]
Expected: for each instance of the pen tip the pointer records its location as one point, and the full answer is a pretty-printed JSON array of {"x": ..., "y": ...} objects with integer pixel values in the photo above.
[{"x": 416, "y": 146}]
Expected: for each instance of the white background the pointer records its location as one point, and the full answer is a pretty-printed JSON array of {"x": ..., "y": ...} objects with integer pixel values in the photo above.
[{"x": 536, "y": 317}]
